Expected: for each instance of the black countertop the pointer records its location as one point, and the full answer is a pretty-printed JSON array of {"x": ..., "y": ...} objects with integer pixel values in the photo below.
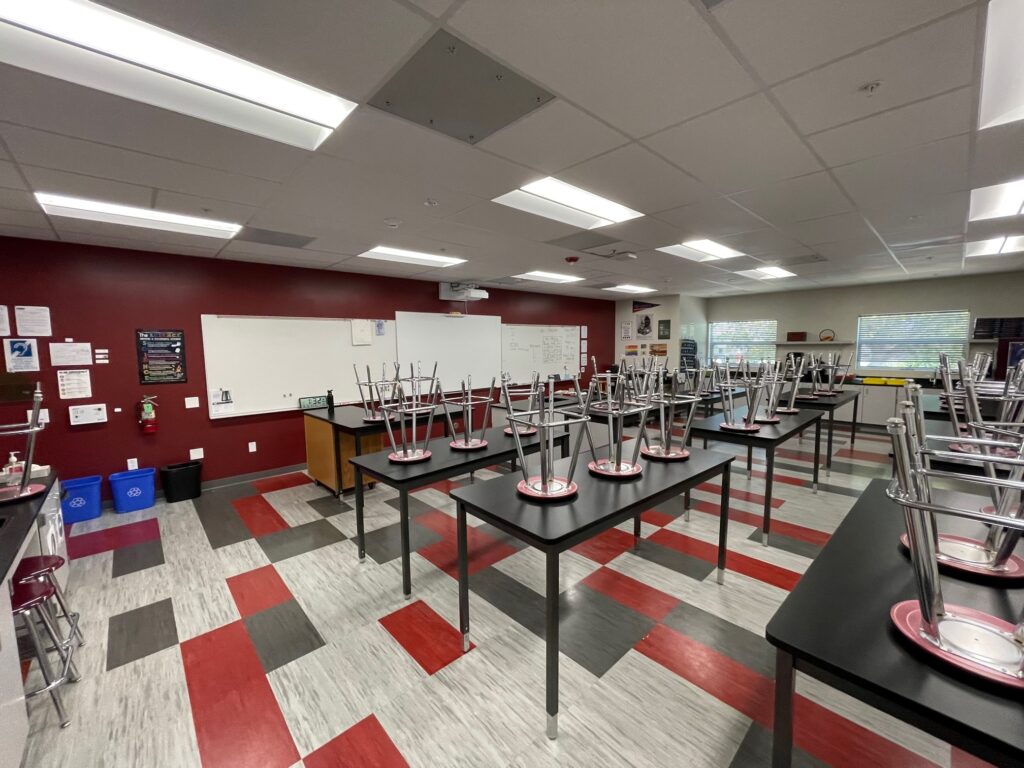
[
  {"x": 837, "y": 618},
  {"x": 557, "y": 525},
  {"x": 349, "y": 419},
  {"x": 824, "y": 402},
  {"x": 16, "y": 521},
  {"x": 769, "y": 433}
]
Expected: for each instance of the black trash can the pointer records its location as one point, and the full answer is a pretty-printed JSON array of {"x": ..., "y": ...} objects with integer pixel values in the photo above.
[{"x": 182, "y": 481}]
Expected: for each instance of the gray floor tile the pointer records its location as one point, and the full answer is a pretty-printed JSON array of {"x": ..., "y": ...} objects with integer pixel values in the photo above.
[
  {"x": 756, "y": 751},
  {"x": 140, "y": 632},
  {"x": 219, "y": 519},
  {"x": 385, "y": 544},
  {"x": 137, "y": 557},
  {"x": 301, "y": 538},
  {"x": 687, "y": 565},
  {"x": 734, "y": 641},
  {"x": 797, "y": 547},
  {"x": 416, "y": 507},
  {"x": 330, "y": 505},
  {"x": 282, "y": 634}
]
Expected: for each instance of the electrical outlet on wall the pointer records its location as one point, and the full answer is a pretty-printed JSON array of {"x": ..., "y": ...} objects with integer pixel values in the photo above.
[
  {"x": 195, "y": 453},
  {"x": 252, "y": 446},
  {"x": 133, "y": 463},
  {"x": 191, "y": 402}
]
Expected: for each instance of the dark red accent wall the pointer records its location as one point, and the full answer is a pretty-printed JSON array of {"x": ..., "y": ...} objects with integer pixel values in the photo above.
[{"x": 101, "y": 295}]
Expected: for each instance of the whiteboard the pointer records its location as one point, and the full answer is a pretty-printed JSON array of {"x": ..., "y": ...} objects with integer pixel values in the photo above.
[
  {"x": 268, "y": 363},
  {"x": 546, "y": 349},
  {"x": 464, "y": 346}
]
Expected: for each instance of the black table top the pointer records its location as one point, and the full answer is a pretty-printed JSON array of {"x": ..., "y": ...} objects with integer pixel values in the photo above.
[
  {"x": 934, "y": 408},
  {"x": 769, "y": 434},
  {"x": 824, "y": 402},
  {"x": 837, "y": 619},
  {"x": 349, "y": 419},
  {"x": 16, "y": 520},
  {"x": 446, "y": 461},
  {"x": 558, "y": 525}
]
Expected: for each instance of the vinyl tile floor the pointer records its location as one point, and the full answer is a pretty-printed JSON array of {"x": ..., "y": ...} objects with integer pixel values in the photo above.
[{"x": 241, "y": 630}]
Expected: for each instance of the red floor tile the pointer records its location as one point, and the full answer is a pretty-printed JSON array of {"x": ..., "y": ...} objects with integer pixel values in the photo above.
[
  {"x": 606, "y": 546},
  {"x": 822, "y": 733},
  {"x": 740, "y": 495},
  {"x": 792, "y": 530},
  {"x": 431, "y": 641},
  {"x": 634, "y": 594},
  {"x": 878, "y": 457},
  {"x": 778, "y": 477},
  {"x": 237, "y": 718},
  {"x": 654, "y": 517},
  {"x": 734, "y": 561},
  {"x": 113, "y": 538},
  {"x": 257, "y": 590},
  {"x": 365, "y": 745},
  {"x": 484, "y": 550},
  {"x": 960, "y": 759},
  {"x": 280, "y": 482},
  {"x": 258, "y": 515}
]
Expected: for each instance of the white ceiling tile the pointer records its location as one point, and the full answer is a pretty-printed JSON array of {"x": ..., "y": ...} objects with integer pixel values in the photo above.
[
  {"x": 436, "y": 8},
  {"x": 90, "y": 187},
  {"x": 155, "y": 246},
  {"x": 204, "y": 207},
  {"x": 553, "y": 137},
  {"x": 57, "y": 106},
  {"x": 743, "y": 145},
  {"x": 626, "y": 78},
  {"x": 637, "y": 178},
  {"x": 30, "y": 233},
  {"x": 828, "y": 229},
  {"x": 31, "y": 219},
  {"x": 919, "y": 123},
  {"x": 762, "y": 243},
  {"x": 990, "y": 228},
  {"x": 376, "y": 141},
  {"x": 998, "y": 155},
  {"x": 242, "y": 250},
  {"x": 371, "y": 267},
  {"x": 647, "y": 231},
  {"x": 48, "y": 150},
  {"x": 346, "y": 47},
  {"x": 17, "y": 200},
  {"x": 710, "y": 219},
  {"x": 805, "y": 197},
  {"x": 512, "y": 222},
  {"x": 924, "y": 212},
  {"x": 910, "y": 174},
  {"x": 844, "y": 250},
  {"x": 9, "y": 177},
  {"x": 785, "y": 37},
  {"x": 929, "y": 61}
]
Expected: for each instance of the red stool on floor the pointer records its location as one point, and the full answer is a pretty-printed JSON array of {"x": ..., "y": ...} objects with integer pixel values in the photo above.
[
  {"x": 30, "y": 601},
  {"x": 41, "y": 568}
]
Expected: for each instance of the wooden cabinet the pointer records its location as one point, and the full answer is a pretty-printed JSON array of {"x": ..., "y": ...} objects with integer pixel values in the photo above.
[{"x": 328, "y": 449}]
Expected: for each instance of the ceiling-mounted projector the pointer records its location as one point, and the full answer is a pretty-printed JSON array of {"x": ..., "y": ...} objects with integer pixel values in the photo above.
[{"x": 461, "y": 292}]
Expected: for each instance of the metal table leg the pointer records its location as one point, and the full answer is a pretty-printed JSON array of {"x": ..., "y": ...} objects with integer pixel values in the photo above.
[
  {"x": 769, "y": 477},
  {"x": 686, "y": 505},
  {"x": 636, "y": 531},
  {"x": 750, "y": 459},
  {"x": 853, "y": 423},
  {"x": 828, "y": 454},
  {"x": 782, "y": 737},
  {"x": 551, "y": 640},
  {"x": 723, "y": 524},
  {"x": 463, "y": 576},
  {"x": 403, "y": 510},
  {"x": 817, "y": 453},
  {"x": 360, "y": 533}
]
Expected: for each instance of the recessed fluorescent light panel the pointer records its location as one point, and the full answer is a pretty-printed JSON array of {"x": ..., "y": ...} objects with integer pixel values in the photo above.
[
  {"x": 997, "y": 246},
  {"x": 702, "y": 250},
  {"x": 99, "y": 48},
  {"x": 548, "y": 277},
  {"x": 766, "y": 273},
  {"x": 629, "y": 289},
  {"x": 1002, "y": 87},
  {"x": 554, "y": 199},
  {"x": 997, "y": 201},
  {"x": 385, "y": 253},
  {"x": 111, "y": 213}
]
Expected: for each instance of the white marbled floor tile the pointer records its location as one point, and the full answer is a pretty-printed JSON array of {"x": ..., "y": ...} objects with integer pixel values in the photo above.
[
  {"x": 199, "y": 611},
  {"x": 528, "y": 567},
  {"x": 239, "y": 558},
  {"x": 653, "y": 575}
]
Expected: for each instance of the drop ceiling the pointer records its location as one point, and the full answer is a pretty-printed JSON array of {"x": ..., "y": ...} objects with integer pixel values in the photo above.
[{"x": 739, "y": 120}]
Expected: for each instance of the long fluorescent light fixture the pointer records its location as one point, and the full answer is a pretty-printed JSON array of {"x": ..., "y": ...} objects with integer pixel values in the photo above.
[
  {"x": 554, "y": 199},
  {"x": 629, "y": 289},
  {"x": 548, "y": 277},
  {"x": 702, "y": 250},
  {"x": 112, "y": 213},
  {"x": 997, "y": 201},
  {"x": 99, "y": 48},
  {"x": 1002, "y": 87},
  {"x": 996, "y": 246},
  {"x": 386, "y": 253},
  {"x": 766, "y": 273}
]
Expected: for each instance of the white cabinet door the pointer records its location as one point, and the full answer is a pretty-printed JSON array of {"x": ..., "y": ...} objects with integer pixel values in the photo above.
[
  {"x": 845, "y": 413},
  {"x": 879, "y": 403}
]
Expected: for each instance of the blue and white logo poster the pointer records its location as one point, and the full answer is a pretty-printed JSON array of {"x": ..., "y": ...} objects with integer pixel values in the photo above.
[{"x": 21, "y": 355}]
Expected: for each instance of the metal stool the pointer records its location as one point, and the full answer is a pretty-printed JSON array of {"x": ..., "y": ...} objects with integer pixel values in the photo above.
[
  {"x": 41, "y": 568},
  {"x": 30, "y": 601}
]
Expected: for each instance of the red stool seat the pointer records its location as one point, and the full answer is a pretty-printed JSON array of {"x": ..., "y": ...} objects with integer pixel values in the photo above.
[
  {"x": 28, "y": 595},
  {"x": 37, "y": 566}
]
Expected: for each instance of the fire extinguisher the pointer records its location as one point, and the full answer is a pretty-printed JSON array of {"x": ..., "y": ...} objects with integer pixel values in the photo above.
[{"x": 146, "y": 412}]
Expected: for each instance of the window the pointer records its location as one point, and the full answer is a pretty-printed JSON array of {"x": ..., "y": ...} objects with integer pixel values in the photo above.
[
  {"x": 910, "y": 341},
  {"x": 752, "y": 340}
]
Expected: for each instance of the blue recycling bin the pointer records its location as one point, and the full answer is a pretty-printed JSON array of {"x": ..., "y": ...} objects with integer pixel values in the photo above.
[
  {"x": 133, "y": 490},
  {"x": 81, "y": 499}
]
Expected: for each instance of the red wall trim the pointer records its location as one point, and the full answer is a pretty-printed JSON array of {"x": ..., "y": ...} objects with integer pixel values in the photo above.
[{"x": 102, "y": 295}]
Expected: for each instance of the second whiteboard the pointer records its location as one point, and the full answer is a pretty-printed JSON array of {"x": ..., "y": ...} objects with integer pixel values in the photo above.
[{"x": 546, "y": 349}]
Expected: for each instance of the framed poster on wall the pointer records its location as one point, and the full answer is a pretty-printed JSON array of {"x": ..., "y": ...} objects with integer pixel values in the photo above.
[{"x": 161, "y": 356}]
